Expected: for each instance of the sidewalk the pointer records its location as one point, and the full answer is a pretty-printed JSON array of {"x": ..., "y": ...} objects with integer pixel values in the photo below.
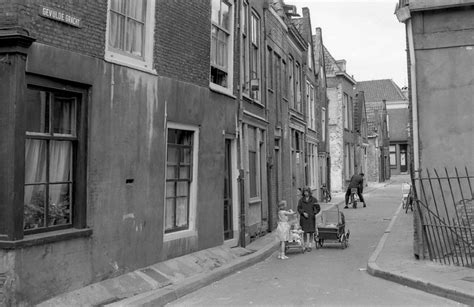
[{"x": 164, "y": 282}]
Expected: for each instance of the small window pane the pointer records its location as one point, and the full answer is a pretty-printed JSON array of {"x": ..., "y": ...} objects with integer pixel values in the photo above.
[
  {"x": 64, "y": 115},
  {"x": 253, "y": 173},
  {"x": 181, "y": 211},
  {"x": 171, "y": 172},
  {"x": 170, "y": 213},
  {"x": 186, "y": 156},
  {"x": 216, "y": 6},
  {"x": 35, "y": 198},
  {"x": 172, "y": 157},
  {"x": 183, "y": 189},
  {"x": 184, "y": 172},
  {"x": 170, "y": 189},
  {"x": 135, "y": 38},
  {"x": 225, "y": 9},
  {"x": 37, "y": 111},
  {"x": 59, "y": 210},
  {"x": 118, "y": 5},
  {"x": 137, "y": 9},
  {"x": 35, "y": 161},
  {"x": 117, "y": 31},
  {"x": 60, "y": 161}
]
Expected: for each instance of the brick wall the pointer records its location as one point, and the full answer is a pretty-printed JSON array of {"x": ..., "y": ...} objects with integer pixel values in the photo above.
[
  {"x": 89, "y": 39},
  {"x": 182, "y": 40}
]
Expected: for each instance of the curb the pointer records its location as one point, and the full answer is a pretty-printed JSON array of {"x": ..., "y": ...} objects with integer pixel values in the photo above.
[
  {"x": 161, "y": 297},
  {"x": 432, "y": 288}
]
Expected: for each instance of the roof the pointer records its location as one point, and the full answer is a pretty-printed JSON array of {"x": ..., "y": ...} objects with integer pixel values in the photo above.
[
  {"x": 330, "y": 64},
  {"x": 378, "y": 90}
]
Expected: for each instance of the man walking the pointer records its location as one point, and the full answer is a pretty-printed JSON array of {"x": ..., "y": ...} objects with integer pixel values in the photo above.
[{"x": 357, "y": 181}]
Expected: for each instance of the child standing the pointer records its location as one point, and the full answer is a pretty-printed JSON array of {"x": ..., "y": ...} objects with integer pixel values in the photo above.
[{"x": 283, "y": 229}]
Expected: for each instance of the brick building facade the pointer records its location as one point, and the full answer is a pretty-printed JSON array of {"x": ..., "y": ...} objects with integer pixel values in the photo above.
[{"x": 123, "y": 148}]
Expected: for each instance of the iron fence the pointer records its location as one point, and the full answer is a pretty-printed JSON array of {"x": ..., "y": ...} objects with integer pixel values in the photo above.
[{"x": 445, "y": 208}]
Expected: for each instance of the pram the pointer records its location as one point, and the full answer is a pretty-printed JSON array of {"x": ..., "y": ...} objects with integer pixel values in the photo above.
[
  {"x": 295, "y": 241},
  {"x": 332, "y": 228}
]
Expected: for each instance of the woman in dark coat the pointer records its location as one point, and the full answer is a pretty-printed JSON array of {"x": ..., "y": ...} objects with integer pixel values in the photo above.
[{"x": 308, "y": 207}]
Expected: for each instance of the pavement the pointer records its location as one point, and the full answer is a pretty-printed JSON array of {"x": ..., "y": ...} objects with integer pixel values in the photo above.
[{"x": 167, "y": 281}]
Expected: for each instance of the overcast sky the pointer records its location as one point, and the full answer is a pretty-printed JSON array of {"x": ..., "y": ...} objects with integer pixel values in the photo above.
[{"x": 365, "y": 33}]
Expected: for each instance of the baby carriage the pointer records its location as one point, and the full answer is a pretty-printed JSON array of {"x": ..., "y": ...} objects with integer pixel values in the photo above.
[
  {"x": 332, "y": 228},
  {"x": 295, "y": 242}
]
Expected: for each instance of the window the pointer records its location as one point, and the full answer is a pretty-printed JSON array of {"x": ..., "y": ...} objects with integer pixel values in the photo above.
[
  {"x": 393, "y": 156},
  {"x": 130, "y": 26},
  {"x": 312, "y": 167},
  {"x": 298, "y": 86},
  {"x": 323, "y": 124},
  {"x": 310, "y": 57},
  {"x": 221, "y": 44},
  {"x": 256, "y": 154},
  {"x": 54, "y": 153},
  {"x": 180, "y": 172},
  {"x": 285, "y": 78},
  {"x": 270, "y": 69},
  {"x": 291, "y": 93},
  {"x": 251, "y": 58},
  {"x": 345, "y": 109},
  {"x": 245, "y": 52},
  {"x": 351, "y": 112},
  {"x": 311, "y": 106},
  {"x": 347, "y": 164}
]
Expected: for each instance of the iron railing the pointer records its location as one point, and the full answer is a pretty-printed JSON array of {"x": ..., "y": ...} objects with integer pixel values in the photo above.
[{"x": 445, "y": 208}]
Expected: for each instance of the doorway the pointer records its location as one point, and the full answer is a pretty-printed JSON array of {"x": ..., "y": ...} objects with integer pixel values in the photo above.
[{"x": 228, "y": 225}]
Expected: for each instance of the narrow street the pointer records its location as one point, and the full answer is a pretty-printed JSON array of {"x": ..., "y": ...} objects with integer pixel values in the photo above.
[{"x": 329, "y": 276}]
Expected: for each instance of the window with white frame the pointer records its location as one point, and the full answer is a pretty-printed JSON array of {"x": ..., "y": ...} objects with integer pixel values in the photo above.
[
  {"x": 312, "y": 167},
  {"x": 351, "y": 113},
  {"x": 222, "y": 43},
  {"x": 323, "y": 124},
  {"x": 310, "y": 58},
  {"x": 345, "y": 109},
  {"x": 245, "y": 63},
  {"x": 298, "y": 87},
  {"x": 180, "y": 178},
  {"x": 251, "y": 53},
  {"x": 311, "y": 106},
  {"x": 130, "y": 29},
  {"x": 393, "y": 156},
  {"x": 256, "y": 154},
  {"x": 347, "y": 163},
  {"x": 291, "y": 83}
]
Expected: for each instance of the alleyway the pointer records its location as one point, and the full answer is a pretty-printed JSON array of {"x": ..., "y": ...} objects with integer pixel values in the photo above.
[{"x": 329, "y": 276}]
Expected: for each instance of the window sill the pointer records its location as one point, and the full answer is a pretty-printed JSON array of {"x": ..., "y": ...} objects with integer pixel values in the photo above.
[
  {"x": 179, "y": 235},
  {"x": 221, "y": 90},
  {"x": 46, "y": 238}
]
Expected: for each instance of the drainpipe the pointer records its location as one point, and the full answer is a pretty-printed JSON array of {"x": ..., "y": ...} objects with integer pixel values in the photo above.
[
  {"x": 414, "y": 98},
  {"x": 240, "y": 163}
]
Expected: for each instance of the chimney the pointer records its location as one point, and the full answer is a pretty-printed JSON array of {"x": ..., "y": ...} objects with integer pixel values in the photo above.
[{"x": 341, "y": 64}]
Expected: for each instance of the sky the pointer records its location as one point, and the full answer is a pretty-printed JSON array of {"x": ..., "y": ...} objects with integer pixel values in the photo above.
[{"x": 365, "y": 33}]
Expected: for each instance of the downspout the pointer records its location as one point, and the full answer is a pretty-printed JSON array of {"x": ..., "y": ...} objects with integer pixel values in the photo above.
[
  {"x": 419, "y": 251},
  {"x": 414, "y": 98},
  {"x": 240, "y": 163}
]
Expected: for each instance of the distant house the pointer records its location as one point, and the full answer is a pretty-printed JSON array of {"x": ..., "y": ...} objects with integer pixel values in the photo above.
[
  {"x": 341, "y": 93},
  {"x": 378, "y": 169},
  {"x": 398, "y": 119}
]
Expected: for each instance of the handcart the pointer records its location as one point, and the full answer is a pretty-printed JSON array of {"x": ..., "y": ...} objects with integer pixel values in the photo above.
[{"x": 332, "y": 228}]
